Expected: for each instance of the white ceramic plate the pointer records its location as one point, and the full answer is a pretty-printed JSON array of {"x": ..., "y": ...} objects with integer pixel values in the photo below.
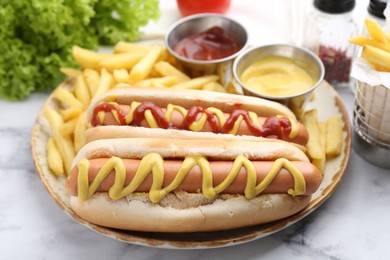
[{"x": 326, "y": 101}]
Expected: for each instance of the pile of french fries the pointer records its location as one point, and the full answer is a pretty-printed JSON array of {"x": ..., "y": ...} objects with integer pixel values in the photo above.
[
  {"x": 375, "y": 46},
  {"x": 325, "y": 138},
  {"x": 135, "y": 64},
  {"x": 143, "y": 66}
]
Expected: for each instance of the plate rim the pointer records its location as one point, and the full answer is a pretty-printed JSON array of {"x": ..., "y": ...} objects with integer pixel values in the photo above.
[{"x": 259, "y": 231}]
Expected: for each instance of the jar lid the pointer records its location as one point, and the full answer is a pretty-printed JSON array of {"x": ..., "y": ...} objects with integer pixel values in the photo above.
[
  {"x": 376, "y": 8},
  {"x": 335, "y": 6}
]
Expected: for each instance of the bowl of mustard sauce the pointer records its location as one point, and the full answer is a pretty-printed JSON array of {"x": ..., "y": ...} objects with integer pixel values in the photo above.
[
  {"x": 206, "y": 43},
  {"x": 280, "y": 72}
]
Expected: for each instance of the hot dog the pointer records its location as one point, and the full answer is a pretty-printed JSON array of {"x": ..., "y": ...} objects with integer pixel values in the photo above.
[
  {"x": 189, "y": 185},
  {"x": 196, "y": 111}
]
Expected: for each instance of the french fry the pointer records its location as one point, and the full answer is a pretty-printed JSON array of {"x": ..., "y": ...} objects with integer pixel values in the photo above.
[
  {"x": 363, "y": 40},
  {"x": 165, "y": 81},
  {"x": 166, "y": 69},
  {"x": 67, "y": 98},
  {"x": 376, "y": 48},
  {"x": 314, "y": 147},
  {"x": 121, "y": 75},
  {"x": 106, "y": 82},
  {"x": 70, "y": 113},
  {"x": 65, "y": 147},
  {"x": 320, "y": 163},
  {"x": 70, "y": 72},
  {"x": 334, "y": 135},
  {"x": 63, "y": 143},
  {"x": 196, "y": 83},
  {"x": 87, "y": 58},
  {"x": 121, "y": 61},
  {"x": 68, "y": 127},
  {"x": 297, "y": 106},
  {"x": 153, "y": 74},
  {"x": 81, "y": 91},
  {"x": 54, "y": 159},
  {"x": 156, "y": 84},
  {"x": 79, "y": 132},
  {"x": 375, "y": 31},
  {"x": 53, "y": 118},
  {"x": 164, "y": 55},
  {"x": 379, "y": 58},
  {"x": 92, "y": 78},
  {"x": 214, "y": 86},
  {"x": 322, "y": 130},
  {"x": 142, "y": 69},
  {"x": 122, "y": 47},
  {"x": 230, "y": 88}
]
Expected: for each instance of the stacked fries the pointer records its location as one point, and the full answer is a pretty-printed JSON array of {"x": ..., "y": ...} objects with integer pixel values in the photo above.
[
  {"x": 135, "y": 64},
  {"x": 326, "y": 138},
  {"x": 376, "y": 47}
]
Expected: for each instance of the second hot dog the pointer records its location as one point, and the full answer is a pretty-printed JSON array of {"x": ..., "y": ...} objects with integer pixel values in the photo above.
[
  {"x": 197, "y": 112},
  {"x": 113, "y": 179}
]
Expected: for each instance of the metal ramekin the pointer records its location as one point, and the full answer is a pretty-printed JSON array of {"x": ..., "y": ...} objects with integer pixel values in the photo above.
[
  {"x": 198, "y": 23},
  {"x": 304, "y": 58}
]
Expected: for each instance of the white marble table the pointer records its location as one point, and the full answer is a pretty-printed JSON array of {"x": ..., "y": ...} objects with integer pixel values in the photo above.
[{"x": 354, "y": 223}]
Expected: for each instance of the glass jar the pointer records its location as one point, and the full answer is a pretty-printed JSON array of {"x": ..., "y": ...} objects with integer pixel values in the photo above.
[{"x": 329, "y": 27}]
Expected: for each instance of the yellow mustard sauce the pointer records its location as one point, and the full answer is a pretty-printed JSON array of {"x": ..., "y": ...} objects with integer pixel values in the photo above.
[
  {"x": 198, "y": 125},
  {"x": 153, "y": 164},
  {"x": 276, "y": 76}
]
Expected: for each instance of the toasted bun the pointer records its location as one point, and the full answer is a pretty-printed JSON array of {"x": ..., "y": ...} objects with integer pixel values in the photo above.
[
  {"x": 113, "y": 132},
  {"x": 137, "y": 148},
  {"x": 188, "y": 212},
  {"x": 124, "y": 94},
  {"x": 185, "y": 212}
]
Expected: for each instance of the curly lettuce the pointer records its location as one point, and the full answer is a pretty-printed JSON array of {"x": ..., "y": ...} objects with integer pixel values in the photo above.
[{"x": 36, "y": 37}]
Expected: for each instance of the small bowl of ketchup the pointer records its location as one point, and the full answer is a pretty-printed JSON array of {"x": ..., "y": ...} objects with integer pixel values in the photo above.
[{"x": 206, "y": 43}]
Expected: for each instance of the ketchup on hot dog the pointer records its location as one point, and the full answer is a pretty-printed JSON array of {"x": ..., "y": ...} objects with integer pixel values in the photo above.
[{"x": 273, "y": 126}]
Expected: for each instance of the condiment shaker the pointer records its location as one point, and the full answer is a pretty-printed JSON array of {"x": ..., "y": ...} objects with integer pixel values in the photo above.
[
  {"x": 375, "y": 11},
  {"x": 329, "y": 27}
]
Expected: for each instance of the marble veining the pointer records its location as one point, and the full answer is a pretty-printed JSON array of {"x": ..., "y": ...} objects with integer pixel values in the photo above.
[
  {"x": 16, "y": 141},
  {"x": 354, "y": 223},
  {"x": 351, "y": 224}
]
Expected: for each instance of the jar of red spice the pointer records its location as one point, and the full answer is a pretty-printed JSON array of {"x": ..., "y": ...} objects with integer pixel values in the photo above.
[{"x": 329, "y": 27}]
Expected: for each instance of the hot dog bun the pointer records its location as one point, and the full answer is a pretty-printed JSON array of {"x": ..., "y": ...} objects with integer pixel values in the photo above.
[
  {"x": 187, "y": 212},
  {"x": 112, "y": 132},
  {"x": 124, "y": 94},
  {"x": 180, "y": 211},
  {"x": 136, "y": 148},
  {"x": 196, "y": 111}
]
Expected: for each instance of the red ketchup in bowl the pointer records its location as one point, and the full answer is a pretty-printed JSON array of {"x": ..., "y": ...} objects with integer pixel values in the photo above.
[{"x": 212, "y": 44}]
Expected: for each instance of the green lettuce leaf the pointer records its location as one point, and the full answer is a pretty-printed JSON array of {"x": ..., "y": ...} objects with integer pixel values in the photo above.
[{"x": 36, "y": 37}]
